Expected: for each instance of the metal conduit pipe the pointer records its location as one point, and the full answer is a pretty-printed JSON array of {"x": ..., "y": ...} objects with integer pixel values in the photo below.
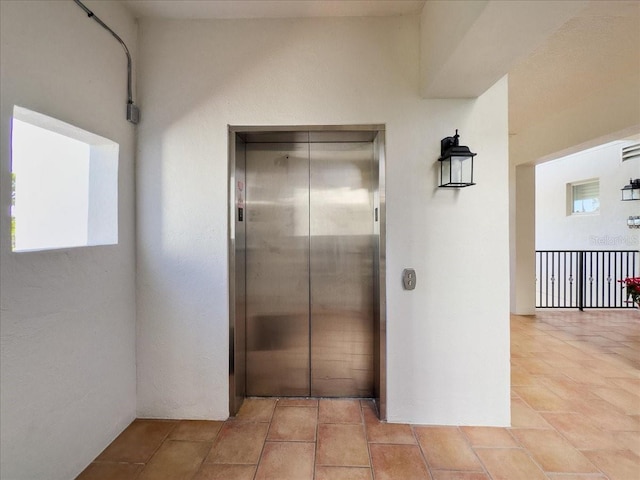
[{"x": 133, "y": 112}]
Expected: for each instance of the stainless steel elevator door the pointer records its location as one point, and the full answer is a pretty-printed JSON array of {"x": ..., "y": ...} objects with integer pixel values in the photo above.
[
  {"x": 341, "y": 264},
  {"x": 309, "y": 269},
  {"x": 277, "y": 269}
]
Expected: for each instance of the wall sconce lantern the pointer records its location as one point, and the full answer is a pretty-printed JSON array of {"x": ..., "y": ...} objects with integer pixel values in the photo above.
[
  {"x": 456, "y": 163},
  {"x": 631, "y": 191},
  {"x": 633, "y": 221}
]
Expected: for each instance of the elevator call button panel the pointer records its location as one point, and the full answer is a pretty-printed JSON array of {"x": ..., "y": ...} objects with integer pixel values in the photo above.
[{"x": 409, "y": 278}]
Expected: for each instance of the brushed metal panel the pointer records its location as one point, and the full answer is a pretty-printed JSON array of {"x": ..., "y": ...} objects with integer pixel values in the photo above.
[
  {"x": 277, "y": 137},
  {"x": 339, "y": 136},
  {"x": 237, "y": 282},
  {"x": 380, "y": 289},
  {"x": 238, "y": 349},
  {"x": 277, "y": 269},
  {"x": 342, "y": 269}
]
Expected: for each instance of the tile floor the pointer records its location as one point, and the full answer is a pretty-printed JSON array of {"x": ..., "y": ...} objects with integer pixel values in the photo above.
[{"x": 575, "y": 415}]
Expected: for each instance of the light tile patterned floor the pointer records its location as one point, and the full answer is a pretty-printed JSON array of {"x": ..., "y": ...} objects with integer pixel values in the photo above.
[{"x": 575, "y": 415}]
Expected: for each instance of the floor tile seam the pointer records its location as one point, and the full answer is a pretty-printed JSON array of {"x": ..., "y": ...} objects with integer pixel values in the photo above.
[
  {"x": 229, "y": 463},
  {"x": 115, "y": 462},
  {"x": 268, "y": 440},
  {"x": 602, "y": 387},
  {"x": 317, "y": 442},
  {"x": 374, "y": 442},
  {"x": 164, "y": 439},
  {"x": 459, "y": 470},
  {"x": 190, "y": 440},
  {"x": 268, "y": 429},
  {"x": 547, "y": 411},
  {"x": 468, "y": 442},
  {"x": 366, "y": 438},
  {"x": 273, "y": 411},
  {"x": 609, "y": 450},
  {"x": 616, "y": 407},
  {"x": 202, "y": 463},
  {"x": 213, "y": 443},
  {"x": 139, "y": 474},
  {"x": 360, "y": 467},
  {"x": 554, "y": 411},
  {"x": 613, "y": 379},
  {"x": 528, "y": 452},
  {"x": 566, "y": 439},
  {"x": 501, "y": 447},
  {"x": 421, "y": 452},
  {"x": 577, "y": 474},
  {"x": 296, "y": 406},
  {"x": 535, "y": 462},
  {"x": 313, "y": 463},
  {"x": 363, "y": 428},
  {"x": 507, "y": 430},
  {"x": 589, "y": 423},
  {"x": 614, "y": 431},
  {"x": 343, "y": 465},
  {"x": 290, "y": 440},
  {"x": 157, "y": 420},
  {"x": 257, "y": 464},
  {"x": 339, "y": 423},
  {"x": 238, "y": 421},
  {"x": 550, "y": 427}
]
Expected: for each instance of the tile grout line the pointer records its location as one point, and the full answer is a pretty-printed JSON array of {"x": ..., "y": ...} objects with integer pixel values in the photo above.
[
  {"x": 164, "y": 439},
  {"x": 468, "y": 441},
  {"x": 424, "y": 457},
  {"x": 315, "y": 450},
  {"x": 366, "y": 439},
  {"x": 266, "y": 435},
  {"x": 213, "y": 444}
]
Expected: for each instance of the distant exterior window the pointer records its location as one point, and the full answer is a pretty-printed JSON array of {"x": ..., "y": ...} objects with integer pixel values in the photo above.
[
  {"x": 584, "y": 197},
  {"x": 65, "y": 185}
]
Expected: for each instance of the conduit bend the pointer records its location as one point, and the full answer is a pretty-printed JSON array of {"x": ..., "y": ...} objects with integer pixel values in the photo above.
[{"x": 133, "y": 112}]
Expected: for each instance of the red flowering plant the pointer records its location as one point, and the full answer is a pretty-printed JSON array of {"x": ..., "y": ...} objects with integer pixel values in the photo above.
[{"x": 632, "y": 284}]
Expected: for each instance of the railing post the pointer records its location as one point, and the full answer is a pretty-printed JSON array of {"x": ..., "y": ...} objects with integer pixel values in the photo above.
[{"x": 581, "y": 280}]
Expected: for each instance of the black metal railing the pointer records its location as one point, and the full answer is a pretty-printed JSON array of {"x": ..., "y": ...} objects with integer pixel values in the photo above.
[{"x": 584, "y": 278}]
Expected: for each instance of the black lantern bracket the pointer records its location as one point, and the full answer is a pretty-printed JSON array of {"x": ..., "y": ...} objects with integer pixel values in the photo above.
[
  {"x": 456, "y": 163},
  {"x": 631, "y": 191}
]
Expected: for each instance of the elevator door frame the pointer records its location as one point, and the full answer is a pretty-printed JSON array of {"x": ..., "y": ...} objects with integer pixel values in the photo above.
[{"x": 239, "y": 136}]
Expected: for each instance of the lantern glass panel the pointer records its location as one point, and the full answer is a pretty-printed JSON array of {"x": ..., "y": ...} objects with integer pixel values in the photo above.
[
  {"x": 459, "y": 171},
  {"x": 463, "y": 167},
  {"x": 445, "y": 172},
  {"x": 629, "y": 193}
]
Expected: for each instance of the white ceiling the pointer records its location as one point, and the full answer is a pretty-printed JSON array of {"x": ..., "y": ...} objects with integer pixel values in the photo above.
[
  {"x": 190, "y": 9},
  {"x": 587, "y": 54}
]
